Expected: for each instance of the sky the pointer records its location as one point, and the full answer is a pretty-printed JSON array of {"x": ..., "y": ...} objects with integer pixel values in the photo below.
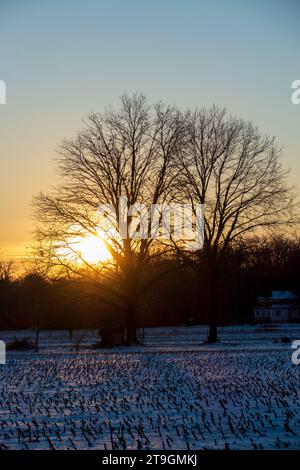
[{"x": 62, "y": 59}]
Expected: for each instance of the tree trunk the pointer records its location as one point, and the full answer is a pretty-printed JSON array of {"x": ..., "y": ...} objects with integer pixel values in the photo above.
[
  {"x": 131, "y": 323},
  {"x": 70, "y": 338},
  {"x": 213, "y": 333},
  {"x": 213, "y": 307},
  {"x": 37, "y": 337}
]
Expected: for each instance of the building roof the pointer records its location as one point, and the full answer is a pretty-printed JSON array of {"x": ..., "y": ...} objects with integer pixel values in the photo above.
[{"x": 282, "y": 295}]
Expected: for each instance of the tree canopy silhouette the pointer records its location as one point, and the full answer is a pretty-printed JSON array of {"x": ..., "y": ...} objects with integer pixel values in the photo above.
[
  {"x": 236, "y": 172},
  {"x": 157, "y": 155},
  {"x": 131, "y": 153}
]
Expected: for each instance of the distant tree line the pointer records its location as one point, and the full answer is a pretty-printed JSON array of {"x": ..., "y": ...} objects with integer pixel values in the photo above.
[{"x": 254, "y": 268}]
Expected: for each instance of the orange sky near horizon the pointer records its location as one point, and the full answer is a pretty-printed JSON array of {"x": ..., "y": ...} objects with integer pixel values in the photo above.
[{"x": 59, "y": 65}]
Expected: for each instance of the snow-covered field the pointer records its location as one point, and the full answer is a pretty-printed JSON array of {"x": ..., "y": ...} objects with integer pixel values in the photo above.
[{"x": 173, "y": 393}]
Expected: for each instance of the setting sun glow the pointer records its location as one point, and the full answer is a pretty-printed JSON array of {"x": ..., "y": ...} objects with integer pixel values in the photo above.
[{"x": 93, "y": 250}]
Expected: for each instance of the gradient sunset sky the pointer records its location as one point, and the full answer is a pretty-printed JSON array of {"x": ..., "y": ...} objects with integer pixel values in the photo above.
[{"x": 61, "y": 59}]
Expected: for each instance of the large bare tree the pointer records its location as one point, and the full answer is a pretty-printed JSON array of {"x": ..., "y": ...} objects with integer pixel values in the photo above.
[
  {"x": 129, "y": 153},
  {"x": 237, "y": 174}
]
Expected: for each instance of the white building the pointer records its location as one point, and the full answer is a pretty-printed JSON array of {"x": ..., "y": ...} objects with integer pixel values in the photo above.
[{"x": 282, "y": 306}]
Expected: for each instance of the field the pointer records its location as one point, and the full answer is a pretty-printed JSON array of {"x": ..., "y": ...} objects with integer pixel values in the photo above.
[{"x": 173, "y": 393}]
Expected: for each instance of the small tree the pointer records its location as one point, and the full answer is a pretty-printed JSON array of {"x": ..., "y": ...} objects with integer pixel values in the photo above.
[
  {"x": 35, "y": 300},
  {"x": 7, "y": 287}
]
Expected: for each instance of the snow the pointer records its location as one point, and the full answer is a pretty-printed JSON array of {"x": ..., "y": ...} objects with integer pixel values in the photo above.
[{"x": 176, "y": 392}]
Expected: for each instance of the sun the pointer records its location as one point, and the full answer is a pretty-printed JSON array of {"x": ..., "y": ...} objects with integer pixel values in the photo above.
[{"x": 92, "y": 250}]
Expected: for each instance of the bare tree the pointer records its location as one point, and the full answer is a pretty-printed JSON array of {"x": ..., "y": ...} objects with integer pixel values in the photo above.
[
  {"x": 128, "y": 153},
  {"x": 237, "y": 174},
  {"x": 6, "y": 269},
  {"x": 35, "y": 299}
]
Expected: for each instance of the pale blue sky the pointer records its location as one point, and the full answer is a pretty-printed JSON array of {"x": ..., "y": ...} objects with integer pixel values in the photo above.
[{"x": 61, "y": 59}]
